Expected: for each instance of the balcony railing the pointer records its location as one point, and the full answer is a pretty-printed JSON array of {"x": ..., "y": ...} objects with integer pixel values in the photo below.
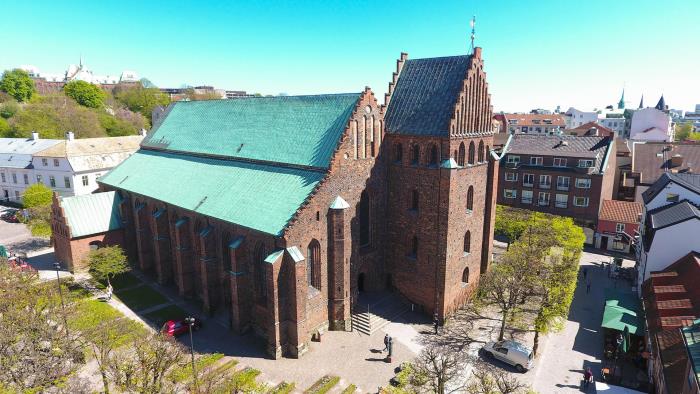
[
  {"x": 525, "y": 200},
  {"x": 543, "y": 203},
  {"x": 527, "y": 184},
  {"x": 562, "y": 187},
  {"x": 545, "y": 185},
  {"x": 512, "y": 164}
]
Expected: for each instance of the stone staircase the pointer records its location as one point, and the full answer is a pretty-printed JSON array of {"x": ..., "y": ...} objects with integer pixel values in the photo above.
[{"x": 369, "y": 317}]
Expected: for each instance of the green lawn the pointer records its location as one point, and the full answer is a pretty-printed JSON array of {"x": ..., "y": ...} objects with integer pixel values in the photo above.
[
  {"x": 120, "y": 282},
  {"x": 140, "y": 298},
  {"x": 90, "y": 313},
  {"x": 160, "y": 316}
]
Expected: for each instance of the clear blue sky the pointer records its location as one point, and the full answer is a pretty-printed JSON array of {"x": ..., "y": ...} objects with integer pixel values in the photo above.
[{"x": 537, "y": 53}]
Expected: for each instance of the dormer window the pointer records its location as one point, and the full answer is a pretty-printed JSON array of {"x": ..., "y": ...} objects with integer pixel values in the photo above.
[
  {"x": 585, "y": 163},
  {"x": 536, "y": 161}
]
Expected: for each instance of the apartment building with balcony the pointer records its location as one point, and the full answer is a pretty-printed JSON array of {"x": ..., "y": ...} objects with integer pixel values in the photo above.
[{"x": 562, "y": 175}]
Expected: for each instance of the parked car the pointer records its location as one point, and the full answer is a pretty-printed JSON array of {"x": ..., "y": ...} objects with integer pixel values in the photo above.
[
  {"x": 177, "y": 327},
  {"x": 510, "y": 352},
  {"x": 9, "y": 215}
]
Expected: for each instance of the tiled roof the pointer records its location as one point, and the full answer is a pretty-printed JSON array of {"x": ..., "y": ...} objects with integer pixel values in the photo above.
[
  {"x": 652, "y": 159},
  {"x": 672, "y": 300},
  {"x": 296, "y": 130},
  {"x": 257, "y": 196},
  {"x": 17, "y": 152},
  {"x": 92, "y": 146},
  {"x": 534, "y": 120},
  {"x": 620, "y": 211},
  {"x": 689, "y": 181},
  {"x": 92, "y": 213},
  {"x": 425, "y": 95},
  {"x": 671, "y": 214},
  {"x": 562, "y": 146},
  {"x": 585, "y": 130}
]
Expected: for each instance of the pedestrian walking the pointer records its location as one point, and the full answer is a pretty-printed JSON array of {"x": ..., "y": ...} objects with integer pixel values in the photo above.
[
  {"x": 585, "y": 272},
  {"x": 386, "y": 342},
  {"x": 588, "y": 287},
  {"x": 109, "y": 292},
  {"x": 390, "y": 347},
  {"x": 587, "y": 377},
  {"x": 436, "y": 323}
]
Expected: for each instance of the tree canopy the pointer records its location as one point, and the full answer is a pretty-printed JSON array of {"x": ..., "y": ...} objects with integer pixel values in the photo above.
[
  {"x": 141, "y": 99},
  {"x": 37, "y": 195},
  {"x": 107, "y": 262},
  {"x": 18, "y": 84},
  {"x": 85, "y": 93}
]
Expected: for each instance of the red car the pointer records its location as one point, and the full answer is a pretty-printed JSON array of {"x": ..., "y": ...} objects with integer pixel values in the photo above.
[
  {"x": 177, "y": 327},
  {"x": 10, "y": 217}
]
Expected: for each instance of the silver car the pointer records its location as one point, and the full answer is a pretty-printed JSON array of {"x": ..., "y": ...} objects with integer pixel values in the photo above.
[{"x": 511, "y": 352}]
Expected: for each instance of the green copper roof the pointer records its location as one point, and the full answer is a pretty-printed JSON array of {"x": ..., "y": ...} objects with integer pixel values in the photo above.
[
  {"x": 92, "y": 213},
  {"x": 257, "y": 196},
  {"x": 299, "y": 130}
]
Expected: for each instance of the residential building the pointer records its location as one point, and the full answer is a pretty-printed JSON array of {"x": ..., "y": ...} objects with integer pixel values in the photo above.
[
  {"x": 671, "y": 305},
  {"x": 69, "y": 167},
  {"x": 590, "y": 129},
  {"x": 308, "y": 202},
  {"x": 47, "y": 82},
  {"x": 618, "y": 225},
  {"x": 72, "y": 166},
  {"x": 533, "y": 123},
  {"x": 83, "y": 223},
  {"x": 612, "y": 119},
  {"x": 17, "y": 166},
  {"x": 649, "y": 160},
  {"x": 670, "y": 223},
  {"x": 575, "y": 118},
  {"x": 562, "y": 175}
]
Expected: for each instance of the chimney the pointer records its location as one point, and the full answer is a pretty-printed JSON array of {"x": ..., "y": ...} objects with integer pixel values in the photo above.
[
  {"x": 35, "y": 136},
  {"x": 676, "y": 160},
  {"x": 70, "y": 136}
]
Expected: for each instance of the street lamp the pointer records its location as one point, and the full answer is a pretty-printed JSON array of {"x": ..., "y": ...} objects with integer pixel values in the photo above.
[
  {"x": 190, "y": 322},
  {"x": 57, "y": 265}
]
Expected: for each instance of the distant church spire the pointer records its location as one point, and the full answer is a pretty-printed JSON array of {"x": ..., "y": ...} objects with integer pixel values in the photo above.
[
  {"x": 472, "y": 23},
  {"x": 621, "y": 103},
  {"x": 641, "y": 102},
  {"x": 661, "y": 105}
]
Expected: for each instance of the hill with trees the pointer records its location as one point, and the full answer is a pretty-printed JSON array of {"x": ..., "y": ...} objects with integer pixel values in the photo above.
[{"x": 81, "y": 107}]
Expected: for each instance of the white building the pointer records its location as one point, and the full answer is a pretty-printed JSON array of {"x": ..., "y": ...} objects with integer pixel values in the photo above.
[
  {"x": 670, "y": 225},
  {"x": 80, "y": 72},
  {"x": 70, "y": 167},
  {"x": 651, "y": 124},
  {"x": 575, "y": 118}
]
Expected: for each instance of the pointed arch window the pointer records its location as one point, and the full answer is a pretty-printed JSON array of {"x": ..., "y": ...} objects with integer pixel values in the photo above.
[
  {"x": 433, "y": 155},
  {"x": 481, "y": 151},
  {"x": 415, "y": 155},
  {"x": 414, "y": 200},
  {"x": 467, "y": 242},
  {"x": 364, "y": 219},
  {"x": 470, "y": 199},
  {"x": 414, "y": 247},
  {"x": 460, "y": 156},
  {"x": 465, "y": 276},
  {"x": 398, "y": 153},
  {"x": 313, "y": 264},
  {"x": 471, "y": 152},
  {"x": 260, "y": 275}
]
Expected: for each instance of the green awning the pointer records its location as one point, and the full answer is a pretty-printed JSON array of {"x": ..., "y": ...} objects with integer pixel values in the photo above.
[{"x": 622, "y": 310}]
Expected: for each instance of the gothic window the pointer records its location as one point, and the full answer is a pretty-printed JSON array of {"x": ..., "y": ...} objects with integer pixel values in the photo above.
[
  {"x": 467, "y": 242},
  {"x": 260, "y": 282},
  {"x": 313, "y": 264},
  {"x": 471, "y": 152},
  {"x": 433, "y": 155},
  {"x": 414, "y": 247},
  {"x": 414, "y": 200},
  {"x": 481, "y": 151},
  {"x": 470, "y": 199},
  {"x": 364, "y": 219},
  {"x": 415, "y": 155},
  {"x": 398, "y": 153},
  {"x": 465, "y": 275},
  {"x": 460, "y": 157}
]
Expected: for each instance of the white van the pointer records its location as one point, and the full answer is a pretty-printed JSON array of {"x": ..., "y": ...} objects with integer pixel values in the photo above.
[{"x": 511, "y": 352}]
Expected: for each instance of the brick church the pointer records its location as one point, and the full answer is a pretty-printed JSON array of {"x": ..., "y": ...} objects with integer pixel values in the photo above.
[{"x": 282, "y": 211}]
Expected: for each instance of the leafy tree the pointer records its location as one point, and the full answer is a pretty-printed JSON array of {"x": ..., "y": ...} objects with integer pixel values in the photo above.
[
  {"x": 683, "y": 130},
  {"x": 85, "y": 94},
  {"x": 5, "y": 129},
  {"x": 36, "y": 350},
  {"x": 18, "y": 84},
  {"x": 8, "y": 109},
  {"x": 510, "y": 222},
  {"x": 107, "y": 262},
  {"x": 103, "y": 340},
  {"x": 694, "y": 136},
  {"x": 37, "y": 195},
  {"x": 53, "y": 115},
  {"x": 143, "y": 100},
  {"x": 115, "y": 127}
]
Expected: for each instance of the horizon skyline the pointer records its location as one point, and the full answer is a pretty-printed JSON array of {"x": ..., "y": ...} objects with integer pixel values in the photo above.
[{"x": 287, "y": 48}]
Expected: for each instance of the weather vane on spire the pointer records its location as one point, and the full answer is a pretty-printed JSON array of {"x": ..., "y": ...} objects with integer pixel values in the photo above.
[{"x": 472, "y": 23}]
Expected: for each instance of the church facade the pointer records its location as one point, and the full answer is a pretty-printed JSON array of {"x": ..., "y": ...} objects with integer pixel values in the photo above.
[{"x": 283, "y": 210}]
